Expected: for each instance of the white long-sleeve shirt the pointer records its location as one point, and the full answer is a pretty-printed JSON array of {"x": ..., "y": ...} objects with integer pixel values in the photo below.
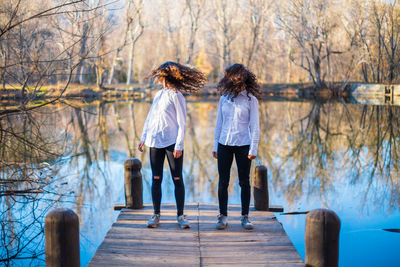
[
  {"x": 166, "y": 121},
  {"x": 237, "y": 122}
]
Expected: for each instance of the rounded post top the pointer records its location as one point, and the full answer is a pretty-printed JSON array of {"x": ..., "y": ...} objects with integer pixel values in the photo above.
[
  {"x": 323, "y": 215},
  {"x": 133, "y": 164},
  {"x": 62, "y": 214},
  {"x": 261, "y": 168}
]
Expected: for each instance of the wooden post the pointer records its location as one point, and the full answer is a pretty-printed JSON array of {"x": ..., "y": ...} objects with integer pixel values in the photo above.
[
  {"x": 133, "y": 184},
  {"x": 62, "y": 238},
  {"x": 260, "y": 191},
  {"x": 322, "y": 238}
]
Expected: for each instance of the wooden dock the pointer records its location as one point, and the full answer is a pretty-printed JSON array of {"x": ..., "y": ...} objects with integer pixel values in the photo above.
[{"x": 130, "y": 243}]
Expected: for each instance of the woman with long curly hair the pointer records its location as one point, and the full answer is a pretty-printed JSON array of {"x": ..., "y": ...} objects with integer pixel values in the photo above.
[
  {"x": 236, "y": 134},
  {"x": 164, "y": 132}
]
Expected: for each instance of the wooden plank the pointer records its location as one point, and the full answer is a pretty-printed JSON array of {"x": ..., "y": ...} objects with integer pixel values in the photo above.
[
  {"x": 267, "y": 242},
  {"x": 134, "y": 260},
  {"x": 266, "y": 245},
  {"x": 282, "y": 252},
  {"x": 130, "y": 243},
  {"x": 246, "y": 261},
  {"x": 255, "y": 264},
  {"x": 148, "y": 248}
]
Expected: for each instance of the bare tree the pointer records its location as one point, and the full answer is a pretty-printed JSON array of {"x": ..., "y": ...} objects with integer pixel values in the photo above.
[
  {"x": 135, "y": 29},
  {"x": 127, "y": 25},
  {"x": 308, "y": 23},
  {"x": 296, "y": 41},
  {"x": 393, "y": 40},
  {"x": 374, "y": 30},
  {"x": 195, "y": 9},
  {"x": 257, "y": 16},
  {"x": 227, "y": 26},
  {"x": 42, "y": 43}
]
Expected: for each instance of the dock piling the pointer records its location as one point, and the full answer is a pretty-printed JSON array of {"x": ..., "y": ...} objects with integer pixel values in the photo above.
[
  {"x": 322, "y": 238},
  {"x": 133, "y": 184},
  {"x": 260, "y": 190},
  {"x": 62, "y": 238}
]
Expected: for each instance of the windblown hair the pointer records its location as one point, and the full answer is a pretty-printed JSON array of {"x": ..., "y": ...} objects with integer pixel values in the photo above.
[
  {"x": 179, "y": 77},
  {"x": 238, "y": 78}
]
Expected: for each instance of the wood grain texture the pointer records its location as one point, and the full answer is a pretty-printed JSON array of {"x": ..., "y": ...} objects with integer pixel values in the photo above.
[{"x": 130, "y": 243}]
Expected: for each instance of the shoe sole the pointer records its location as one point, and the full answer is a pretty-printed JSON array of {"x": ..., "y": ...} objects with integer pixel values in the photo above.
[
  {"x": 222, "y": 227},
  {"x": 248, "y": 228},
  {"x": 153, "y": 225},
  {"x": 185, "y": 226}
]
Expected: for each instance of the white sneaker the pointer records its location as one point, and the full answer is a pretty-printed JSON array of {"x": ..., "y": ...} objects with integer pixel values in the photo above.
[
  {"x": 183, "y": 222},
  {"x": 154, "y": 221},
  {"x": 222, "y": 222},
  {"x": 246, "y": 224}
]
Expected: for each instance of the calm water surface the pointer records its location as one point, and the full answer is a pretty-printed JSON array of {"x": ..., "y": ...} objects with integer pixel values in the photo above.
[{"x": 338, "y": 156}]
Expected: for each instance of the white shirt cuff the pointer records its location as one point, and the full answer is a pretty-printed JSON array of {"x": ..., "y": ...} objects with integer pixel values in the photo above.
[
  {"x": 178, "y": 147},
  {"x": 215, "y": 147},
  {"x": 253, "y": 151}
]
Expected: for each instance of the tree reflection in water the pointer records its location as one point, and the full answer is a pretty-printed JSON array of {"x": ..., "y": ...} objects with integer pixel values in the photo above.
[
  {"x": 27, "y": 170},
  {"x": 71, "y": 155},
  {"x": 321, "y": 141},
  {"x": 380, "y": 126}
]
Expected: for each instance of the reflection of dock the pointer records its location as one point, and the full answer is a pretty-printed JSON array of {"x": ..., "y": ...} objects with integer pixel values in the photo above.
[
  {"x": 375, "y": 94},
  {"x": 129, "y": 242}
]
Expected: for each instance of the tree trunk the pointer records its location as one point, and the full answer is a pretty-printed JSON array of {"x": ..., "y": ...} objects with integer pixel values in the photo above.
[
  {"x": 111, "y": 75},
  {"x": 130, "y": 66},
  {"x": 79, "y": 78}
]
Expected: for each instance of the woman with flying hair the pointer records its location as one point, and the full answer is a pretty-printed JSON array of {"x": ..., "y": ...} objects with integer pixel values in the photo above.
[
  {"x": 164, "y": 132},
  {"x": 236, "y": 134}
]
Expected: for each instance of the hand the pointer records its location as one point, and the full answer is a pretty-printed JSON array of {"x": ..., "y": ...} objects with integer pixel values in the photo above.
[
  {"x": 140, "y": 146},
  {"x": 215, "y": 155},
  {"x": 177, "y": 154},
  {"x": 251, "y": 157}
]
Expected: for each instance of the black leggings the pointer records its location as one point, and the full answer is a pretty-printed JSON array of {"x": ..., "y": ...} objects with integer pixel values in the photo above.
[
  {"x": 243, "y": 163},
  {"x": 157, "y": 156}
]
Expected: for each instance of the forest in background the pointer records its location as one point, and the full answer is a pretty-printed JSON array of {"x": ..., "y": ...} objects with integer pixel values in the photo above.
[{"x": 104, "y": 42}]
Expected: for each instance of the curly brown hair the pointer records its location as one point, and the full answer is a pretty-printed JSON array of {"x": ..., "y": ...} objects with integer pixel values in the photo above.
[
  {"x": 179, "y": 77},
  {"x": 238, "y": 78}
]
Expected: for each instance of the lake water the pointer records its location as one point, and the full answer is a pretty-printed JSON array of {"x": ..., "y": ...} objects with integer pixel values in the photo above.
[{"x": 339, "y": 156}]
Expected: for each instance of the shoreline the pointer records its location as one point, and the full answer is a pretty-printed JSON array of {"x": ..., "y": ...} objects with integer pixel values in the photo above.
[{"x": 293, "y": 91}]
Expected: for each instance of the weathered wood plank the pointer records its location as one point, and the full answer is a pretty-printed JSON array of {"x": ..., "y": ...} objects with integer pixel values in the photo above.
[
  {"x": 134, "y": 260},
  {"x": 261, "y": 263},
  {"x": 267, "y": 242},
  {"x": 266, "y": 245},
  {"x": 255, "y": 264},
  {"x": 130, "y": 243}
]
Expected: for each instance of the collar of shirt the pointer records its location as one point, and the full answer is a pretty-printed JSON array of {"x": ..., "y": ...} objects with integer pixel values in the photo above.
[
  {"x": 244, "y": 93},
  {"x": 231, "y": 98}
]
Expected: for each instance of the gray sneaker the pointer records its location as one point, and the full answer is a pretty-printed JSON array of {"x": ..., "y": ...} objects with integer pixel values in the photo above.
[
  {"x": 246, "y": 224},
  {"x": 183, "y": 222},
  {"x": 222, "y": 222},
  {"x": 154, "y": 221}
]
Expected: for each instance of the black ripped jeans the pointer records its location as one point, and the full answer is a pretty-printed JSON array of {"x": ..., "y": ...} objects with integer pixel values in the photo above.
[
  {"x": 243, "y": 163},
  {"x": 157, "y": 156}
]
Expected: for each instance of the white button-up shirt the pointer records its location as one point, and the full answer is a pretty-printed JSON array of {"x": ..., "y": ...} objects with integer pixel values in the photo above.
[
  {"x": 237, "y": 122},
  {"x": 166, "y": 121}
]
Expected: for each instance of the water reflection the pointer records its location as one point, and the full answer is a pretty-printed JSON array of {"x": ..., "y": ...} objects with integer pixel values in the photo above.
[
  {"x": 336, "y": 155},
  {"x": 27, "y": 170},
  {"x": 324, "y": 141}
]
